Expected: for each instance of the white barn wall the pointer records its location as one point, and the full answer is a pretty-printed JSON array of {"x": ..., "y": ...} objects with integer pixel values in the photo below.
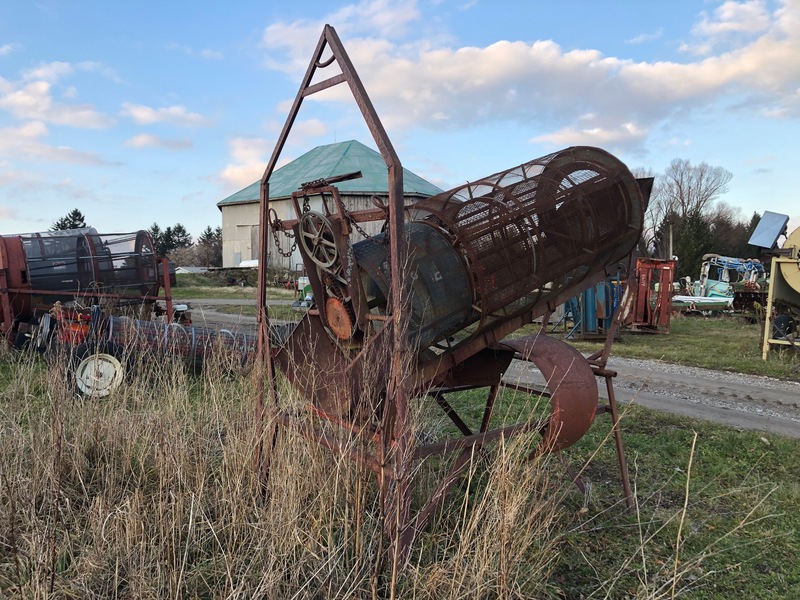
[{"x": 240, "y": 223}]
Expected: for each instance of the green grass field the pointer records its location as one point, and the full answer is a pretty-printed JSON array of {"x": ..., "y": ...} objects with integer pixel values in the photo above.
[
  {"x": 722, "y": 343},
  {"x": 151, "y": 493}
]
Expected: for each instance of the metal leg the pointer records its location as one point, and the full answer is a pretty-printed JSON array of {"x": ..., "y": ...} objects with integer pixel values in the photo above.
[{"x": 623, "y": 463}]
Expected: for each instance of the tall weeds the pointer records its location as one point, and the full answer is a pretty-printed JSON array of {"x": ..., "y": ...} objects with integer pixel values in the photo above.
[{"x": 151, "y": 493}]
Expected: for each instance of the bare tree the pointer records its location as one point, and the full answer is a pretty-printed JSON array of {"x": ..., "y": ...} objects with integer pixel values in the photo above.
[{"x": 688, "y": 188}]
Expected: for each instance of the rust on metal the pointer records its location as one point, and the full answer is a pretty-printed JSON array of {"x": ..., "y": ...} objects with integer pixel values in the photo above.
[
  {"x": 422, "y": 310},
  {"x": 571, "y": 385},
  {"x": 39, "y": 269},
  {"x": 652, "y": 303}
]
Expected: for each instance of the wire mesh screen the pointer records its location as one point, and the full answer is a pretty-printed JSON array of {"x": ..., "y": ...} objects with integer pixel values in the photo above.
[
  {"x": 541, "y": 226},
  {"x": 83, "y": 261}
]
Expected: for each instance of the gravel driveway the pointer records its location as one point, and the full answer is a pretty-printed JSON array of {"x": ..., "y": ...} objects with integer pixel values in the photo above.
[{"x": 733, "y": 399}]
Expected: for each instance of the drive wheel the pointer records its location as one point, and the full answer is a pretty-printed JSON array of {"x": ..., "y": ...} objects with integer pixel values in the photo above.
[{"x": 317, "y": 239}]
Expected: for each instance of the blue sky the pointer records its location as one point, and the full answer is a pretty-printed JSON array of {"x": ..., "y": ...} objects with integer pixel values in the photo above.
[{"x": 136, "y": 112}]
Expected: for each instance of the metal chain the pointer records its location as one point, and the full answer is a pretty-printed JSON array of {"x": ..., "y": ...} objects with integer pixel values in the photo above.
[
  {"x": 360, "y": 230},
  {"x": 275, "y": 225}
]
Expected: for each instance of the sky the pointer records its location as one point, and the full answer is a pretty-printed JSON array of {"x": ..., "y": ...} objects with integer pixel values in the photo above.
[{"x": 142, "y": 112}]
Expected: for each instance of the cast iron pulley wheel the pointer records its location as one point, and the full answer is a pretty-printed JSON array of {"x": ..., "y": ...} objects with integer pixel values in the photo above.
[
  {"x": 99, "y": 370},
  {"x": 316, "y": 236}
]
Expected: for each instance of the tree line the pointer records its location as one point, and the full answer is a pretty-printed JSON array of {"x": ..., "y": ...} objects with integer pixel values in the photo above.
[
  {"x": 687, "y": 219},
  {"x": 174, "y": 241}
]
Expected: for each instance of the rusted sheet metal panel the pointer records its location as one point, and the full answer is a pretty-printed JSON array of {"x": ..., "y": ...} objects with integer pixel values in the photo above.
[
  {"x": 571, "y": 383},
  {"x": 14, "y": 282}
]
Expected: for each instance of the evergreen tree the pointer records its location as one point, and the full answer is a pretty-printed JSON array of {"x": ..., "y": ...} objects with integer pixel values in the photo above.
[
  {"x": 178, "y": 237},
  {"x": 158, "y": 239},
  {"x": 209, "y": 247},
  {"x": 170, "y": 238},
  {"x": 72, "y": 220},
  {"x": 692, "y": 241},
  {"x": 749, "y": 229},
  {"x": 660, "y": 243}
]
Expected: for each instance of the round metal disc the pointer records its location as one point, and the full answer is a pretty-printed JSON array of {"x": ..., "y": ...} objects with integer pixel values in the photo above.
[
  {"x": 98, "y": 375},
  {"x": 791, "y": 273},
  {"x": 339, "y": 319},
  {"x": 793, "y": 241},
  {"x": 316, "y": 237}
]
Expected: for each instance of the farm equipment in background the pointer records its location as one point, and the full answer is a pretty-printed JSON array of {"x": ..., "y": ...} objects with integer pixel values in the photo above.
[
  {"x": 424, "y": 309},
  {"x": 652, "y": 299},
  {"x": 102, "y": 356},
  {"x": 737, "y": 278},
  {"x": 782, "y": 307},
  {"x": 76, "y": 268},
  {"x": 738, "y": 286},
  {"x": 65, "y": 289},
  {"x": 591, "y": 313}
]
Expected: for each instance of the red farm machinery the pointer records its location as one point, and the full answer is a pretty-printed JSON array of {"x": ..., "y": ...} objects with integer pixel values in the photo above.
[
  {"x": 427, "y": 307},
  {"x": 94, "y": 296}
]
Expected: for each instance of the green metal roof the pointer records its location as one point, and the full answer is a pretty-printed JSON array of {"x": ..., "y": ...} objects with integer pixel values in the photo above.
[{"x": 327, "y": 161}]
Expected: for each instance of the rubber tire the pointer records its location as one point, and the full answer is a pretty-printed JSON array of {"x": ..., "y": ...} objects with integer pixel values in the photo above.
[
  {"x": 111, "y": 368},
  {"x": 21, "y": 342},
  {"x": 782, "y": 326}
]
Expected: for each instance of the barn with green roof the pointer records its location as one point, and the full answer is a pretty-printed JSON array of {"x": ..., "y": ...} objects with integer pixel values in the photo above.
[{"x": 240, "y": 229}]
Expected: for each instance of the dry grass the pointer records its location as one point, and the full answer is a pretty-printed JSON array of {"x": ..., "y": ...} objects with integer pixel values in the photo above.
[{"x": 152, "y": 493}]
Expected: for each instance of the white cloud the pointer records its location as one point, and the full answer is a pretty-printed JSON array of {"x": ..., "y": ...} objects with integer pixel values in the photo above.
[
  {"x": 6, "y": 49},
  {"x": 31, "y": 98},
  {"x": 625, "y": 135},
  {"x": 210, "y": 54},
  {"x": 546, "y": 89},
  {"x": 52, "y": 71},
  {"x": 731, "y": 21},
  {"x": 646, "y": 37},
  {"x": 206, "y": 53},
  {"x": 56, "y": 70},
  {"x": 250, "y": 156},
  {"x": 25, "y": 142},
  {"x": 145, "y": 140},
  {"x": 309, "y": 128},
  {"x": 175, "y": 115},
  {"x": 735, "y": 17},
  {"x": 34, "y": 101},
  {"x": 372, "y": 19}
]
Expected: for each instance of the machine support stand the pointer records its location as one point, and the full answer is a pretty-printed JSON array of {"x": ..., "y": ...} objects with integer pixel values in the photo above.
[
  {"x": 372, "y": 331},
  {"x": 599, "y": 361},
  {"x": 623, "y": 463}
]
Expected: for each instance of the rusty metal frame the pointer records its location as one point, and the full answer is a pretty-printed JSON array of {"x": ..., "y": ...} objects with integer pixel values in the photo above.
[
  {"x": 650, "y": 316},
  {"x": 393, "y": 451},
  {"x": 394, "y": 446}
]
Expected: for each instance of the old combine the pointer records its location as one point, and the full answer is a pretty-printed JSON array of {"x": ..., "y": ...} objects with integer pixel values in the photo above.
[
  {"x": 426, "y": 307},
  {"x": 67, "y": 290}
]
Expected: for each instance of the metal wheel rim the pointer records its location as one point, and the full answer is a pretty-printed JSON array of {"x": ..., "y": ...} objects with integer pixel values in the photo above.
[
  {"x": 316, "y": 236},
  {"x": 98, "y": 375}
]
